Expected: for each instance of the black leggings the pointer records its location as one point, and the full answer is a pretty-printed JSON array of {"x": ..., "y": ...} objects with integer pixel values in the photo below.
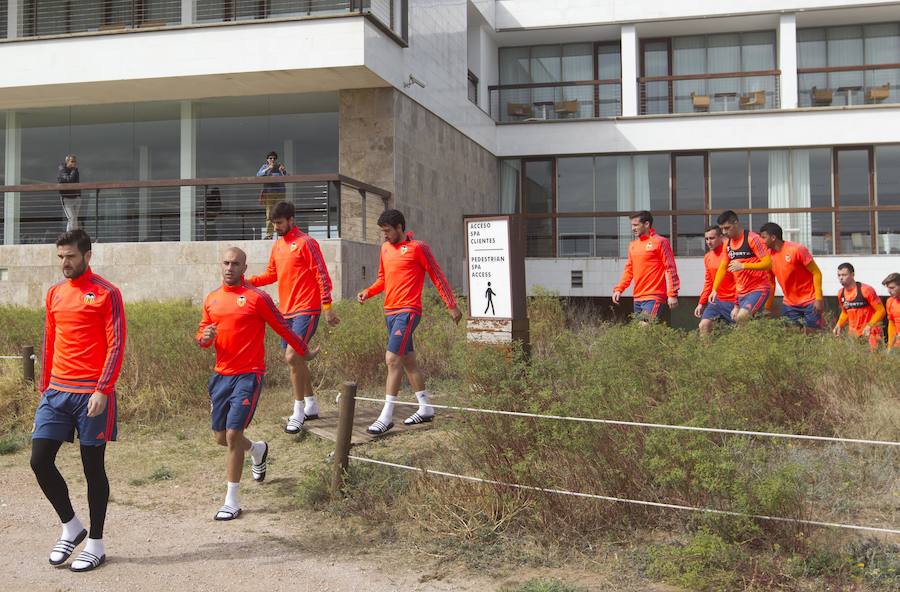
[{"x": 43, "y": 463}]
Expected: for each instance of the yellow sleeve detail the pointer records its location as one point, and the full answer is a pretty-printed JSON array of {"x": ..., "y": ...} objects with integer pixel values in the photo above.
[
  {"x": 817, "y": 279},
  {"x": 764, "y": 264},
  {"x": 720, "y": 275},
  {"x": 843, "y": 319},
  {"x": 879, "y": 314}
]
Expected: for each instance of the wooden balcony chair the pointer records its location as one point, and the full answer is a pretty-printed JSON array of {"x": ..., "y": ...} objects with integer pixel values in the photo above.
[
  {"x": 753, "y": 100},
  {"x": 565, "y": 108},
  {"x": 518, "y": 109},
  {"x": 700, "y": 102},
  {"x": 876, "y": 94},
  {"x": 821, "y": 96}
]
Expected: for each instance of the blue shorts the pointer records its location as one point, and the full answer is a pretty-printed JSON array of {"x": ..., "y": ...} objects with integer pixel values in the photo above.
[
  {"x": 304, "y": 326},
  {"x": 802, "y": 315},
  {"x": 720, "y": 310},
  {"x": 59, "y": 414},
  {"x": 754, "y": 301},
  {"x": 400, "y": 328},
  {"x": 649, "y": 309},
  {"x": 234, "y": 400}
]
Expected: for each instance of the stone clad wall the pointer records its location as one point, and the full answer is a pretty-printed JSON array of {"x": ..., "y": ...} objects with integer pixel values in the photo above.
[
  {"x": 435, "y": 173},
  {"x": 168, "y": 271}
]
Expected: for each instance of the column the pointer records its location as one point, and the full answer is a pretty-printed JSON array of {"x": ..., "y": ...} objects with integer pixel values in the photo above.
[
  {"x": 143, "y": 193},
  {"x": 630, "y": 72},
  {"x": 187, "y": 12},
  {"x": 12, "y": 201},
  {"x": 12, "y": 19},
  {"x": 188, "y": 170},
  {"x": 787, "y": 59}
]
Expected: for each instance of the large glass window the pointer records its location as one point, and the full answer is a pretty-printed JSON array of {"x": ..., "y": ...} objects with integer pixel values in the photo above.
[
  {"x": 58, "y": 17},
  {"x": 864, "y": 46},
  {"x": 697, "y": 65},
  {"x": 852, "y": 188},
  {"x": 690, "y": 194},
  {"x": 510, "y": 180},
  {"x": 887, "y": 173},
  {"x": 544, "y": 72},
  {"x": 575, "y": 193}
]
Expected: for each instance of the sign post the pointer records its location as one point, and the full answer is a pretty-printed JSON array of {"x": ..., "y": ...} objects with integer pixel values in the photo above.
[{"x": 498, "y": 305}]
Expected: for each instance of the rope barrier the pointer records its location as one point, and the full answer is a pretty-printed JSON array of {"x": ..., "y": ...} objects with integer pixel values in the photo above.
[
  {"x": 648, "y": 425},
  {"x": 626, "y": 500}
]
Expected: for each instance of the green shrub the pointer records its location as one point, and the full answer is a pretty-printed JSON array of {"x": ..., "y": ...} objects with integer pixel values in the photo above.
[{"x": 541, "y": 585}]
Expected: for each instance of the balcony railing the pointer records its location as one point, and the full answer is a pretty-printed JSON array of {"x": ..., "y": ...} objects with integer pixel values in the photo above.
[
  {"x": 228, "y": 208},
  {"x": 705, "y": 93},
  {"x": 42, "y": 18},
  {"x": 874, "y": 84},
  {"x": 826, "y": 230},
  {"x": 539, "y": 101}
]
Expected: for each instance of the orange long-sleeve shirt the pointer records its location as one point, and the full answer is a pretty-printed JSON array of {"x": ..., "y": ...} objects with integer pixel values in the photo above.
[
  {"x": 296, "y": 263},
  {"x": 240, "y": 314},
  {"x": 749, "y": 250},
  {"x": 84, "y": 336},
  {"x": 893, "y": 314},
  {"x": 401, "y": 275},
  {"x": 860, "y": 306},
  {"x": 651, "y": 264},
  {"x": 711, "y": 262},
  {"x": 791, "y": 266}
]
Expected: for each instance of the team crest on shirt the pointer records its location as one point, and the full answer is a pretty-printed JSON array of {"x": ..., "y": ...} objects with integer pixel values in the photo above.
[
  {"x": 649, "y": 246},
  {"x": 89, "y": 298},
  {"x": 293, "y": 246},
  {"x": 787, "y": 258},
  {"x": 241, "y": 300},
  {"x": 403, "y": 250}
]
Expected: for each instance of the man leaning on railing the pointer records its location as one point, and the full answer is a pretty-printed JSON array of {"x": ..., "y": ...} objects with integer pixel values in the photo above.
[{"x": 70, "y": 198}]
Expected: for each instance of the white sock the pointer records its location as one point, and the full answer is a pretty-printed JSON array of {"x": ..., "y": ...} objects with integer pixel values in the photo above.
[
  {"x": 298, "y": 410},
  {"x": 231, "y": 498},
  {"x": 95, "y": 546},
  {"x": 256, "y": 452},
  {"x": 311, "y": 406},
  {"x": 71, "y": 529},
  {"x": 425, "y": 409},
  {"x": 387, "y": 413}
]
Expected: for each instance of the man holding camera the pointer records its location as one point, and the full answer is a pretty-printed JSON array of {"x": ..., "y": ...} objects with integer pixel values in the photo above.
[{"x": 271, "y": 193}]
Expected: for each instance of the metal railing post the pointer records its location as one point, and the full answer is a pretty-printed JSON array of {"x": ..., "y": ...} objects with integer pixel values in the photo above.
[
  {"x": 96, "y": 214},
  {"x": 344, "y": 434},
  {"x": 339, "y": 190},
  {"x": 28, "y": 362},
  {"x": 365, "y": 214},
  {"x": 205, "y": 213}
]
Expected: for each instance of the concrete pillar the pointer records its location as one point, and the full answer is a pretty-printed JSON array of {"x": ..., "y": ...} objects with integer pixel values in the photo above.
[
  {"x": 787, "y": 59},
  {"x": 188, "y": 170},
  {"x": 143, "y": 193},
  {"x": 12, "y": 201},
  {"x": 12, "y": 19},
  {"x": 187, "y": 12},
  {"x": 630, "y": 71}
]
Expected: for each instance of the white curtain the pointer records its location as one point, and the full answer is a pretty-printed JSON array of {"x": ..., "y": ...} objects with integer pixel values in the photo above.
[
  {"x": 632, "y": 193},
  {"x": 578, "y": 64},
  {"x": 688, "y": 57},
  {"x": 789, "y": 187},
  {"x": 509, "y": 186}
]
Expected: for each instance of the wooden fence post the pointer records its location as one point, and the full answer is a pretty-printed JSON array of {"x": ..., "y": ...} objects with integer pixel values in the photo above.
[
  {"x": 344, "y": 434},
  {"x": 28, "y": 362}
]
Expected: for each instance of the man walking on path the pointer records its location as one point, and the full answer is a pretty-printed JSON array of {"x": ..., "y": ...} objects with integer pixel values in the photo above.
[
  {"x": 799, "y": 277},
  {"x": 861, "y": 307},
  {"x": 304, "y": 292},
  {"x": 723, "y": 308},
  {"x": 67, "y": 172},
  {"x": 401, "y": 275},
  {"x": 84, "y": 341},
  {"x": 750, "y": 262},
  {"x": 234, "y": 320},
  {"x": 652, "y": 266}
]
